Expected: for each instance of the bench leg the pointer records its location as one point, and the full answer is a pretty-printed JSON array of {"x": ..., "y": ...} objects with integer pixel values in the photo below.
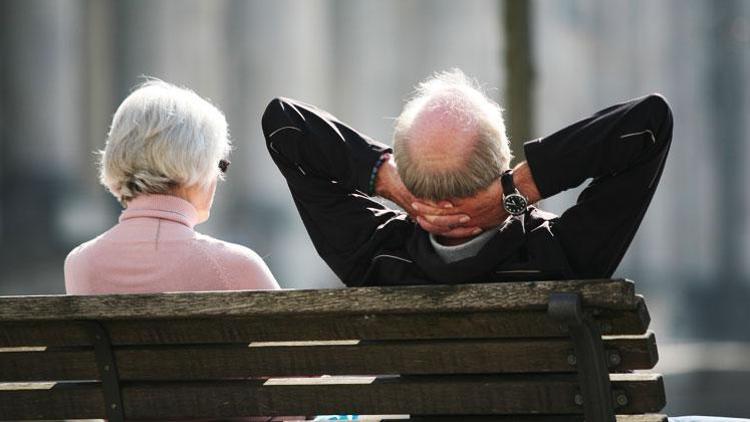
[{"x": 590, "y": 358}]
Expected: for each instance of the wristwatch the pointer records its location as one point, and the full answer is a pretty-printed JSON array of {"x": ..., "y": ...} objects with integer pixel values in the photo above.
[{"x": 513, "y": 202}]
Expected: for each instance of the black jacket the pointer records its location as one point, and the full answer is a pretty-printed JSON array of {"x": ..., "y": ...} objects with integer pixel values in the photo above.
[{"x": 327, "y": 166}]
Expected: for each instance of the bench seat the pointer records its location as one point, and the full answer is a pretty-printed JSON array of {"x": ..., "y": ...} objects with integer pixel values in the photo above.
[{"x": 449, "y": 352}]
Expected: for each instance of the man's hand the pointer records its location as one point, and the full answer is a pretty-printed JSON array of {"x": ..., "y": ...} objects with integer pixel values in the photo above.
[
  {"x": 484, "y": 208},
  {"x": 388, "y": 185},
  {"x": 458, "y": 217},
  {"x": 444, "y": 220}
]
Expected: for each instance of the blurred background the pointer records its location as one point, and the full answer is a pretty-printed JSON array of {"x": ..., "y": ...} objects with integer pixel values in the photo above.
[{"x": 65, "y": 65}]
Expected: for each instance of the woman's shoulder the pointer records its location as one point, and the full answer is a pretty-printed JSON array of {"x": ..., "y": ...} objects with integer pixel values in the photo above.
[
  {"x": 78, "y": 264},
  {"x": 243, "y": 265},
  {"x": 82, "y": 251},
  {"x": 225, "y": 249}
]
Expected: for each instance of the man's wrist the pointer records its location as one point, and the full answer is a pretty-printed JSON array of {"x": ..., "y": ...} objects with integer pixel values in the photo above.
[
  {"x": 388, "y": 185},
  {"x": 525, "y": 183},
  {"x": 378, "y": 179}
]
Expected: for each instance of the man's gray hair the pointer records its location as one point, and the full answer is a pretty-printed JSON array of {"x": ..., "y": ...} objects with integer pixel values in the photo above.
[
  {"x": 484, "y": 163},
  {"x": 162, "y": 137}
]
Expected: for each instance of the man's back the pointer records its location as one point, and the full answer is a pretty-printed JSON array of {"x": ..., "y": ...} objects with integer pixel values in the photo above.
[{"x": 330, "y": 167}]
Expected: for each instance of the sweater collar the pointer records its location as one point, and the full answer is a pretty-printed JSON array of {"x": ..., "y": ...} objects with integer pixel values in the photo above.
[
  {"x": 461, "y": 251},
  {"x": 504, "y": 244},
  {"x": 165, "y": 207}
]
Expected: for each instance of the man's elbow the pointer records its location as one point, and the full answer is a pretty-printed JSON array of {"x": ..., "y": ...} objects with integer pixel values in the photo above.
[
  {"x": 274, "y": 117},
  {"x": 658, "y": 107}
]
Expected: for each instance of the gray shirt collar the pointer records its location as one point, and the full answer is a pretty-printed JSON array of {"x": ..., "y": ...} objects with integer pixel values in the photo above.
[{"x": 465, "y": 250}]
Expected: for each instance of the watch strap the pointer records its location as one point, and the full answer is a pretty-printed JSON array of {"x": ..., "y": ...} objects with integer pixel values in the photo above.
[{"x": 506, "y": 181}]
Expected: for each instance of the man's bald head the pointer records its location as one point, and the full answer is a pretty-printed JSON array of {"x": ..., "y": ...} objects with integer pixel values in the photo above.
[
  {"x": 449, "y": 140},
  {"x": 445, "y": 122}
]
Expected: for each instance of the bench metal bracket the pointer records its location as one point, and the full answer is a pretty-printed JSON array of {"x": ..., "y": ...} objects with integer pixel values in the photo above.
[
  {"x": 590, "y": 357},
  {"x": 105, "y": 361}
]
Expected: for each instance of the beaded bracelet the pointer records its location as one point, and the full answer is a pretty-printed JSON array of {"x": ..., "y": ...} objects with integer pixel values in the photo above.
[{"x": 374, "y": 174}]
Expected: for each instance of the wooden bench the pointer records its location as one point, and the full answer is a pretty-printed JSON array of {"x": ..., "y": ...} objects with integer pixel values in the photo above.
[{"x": 512, "y": 351}]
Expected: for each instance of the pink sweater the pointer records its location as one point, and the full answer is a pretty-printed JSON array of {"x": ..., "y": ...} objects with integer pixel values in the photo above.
[{"x": 155, "y": 249}]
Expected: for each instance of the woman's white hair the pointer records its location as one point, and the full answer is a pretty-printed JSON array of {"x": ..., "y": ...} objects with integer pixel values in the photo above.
[
  {"x": 488, "y": 158},
  {"x": 162, "y": 137}
]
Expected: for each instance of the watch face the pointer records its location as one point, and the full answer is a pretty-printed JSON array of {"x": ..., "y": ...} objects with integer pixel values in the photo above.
[{"x": 515, "y": 204}]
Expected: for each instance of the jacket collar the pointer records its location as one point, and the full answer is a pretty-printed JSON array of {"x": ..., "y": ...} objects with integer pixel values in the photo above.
[
  {"x": 507, "y": 243},
  {"x": 165, "y": 207}
]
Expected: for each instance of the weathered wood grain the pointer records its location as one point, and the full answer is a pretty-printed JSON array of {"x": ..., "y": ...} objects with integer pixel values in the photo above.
[
  {"x": 52, "y": 364},
  {"x": 611, "y": 320},
  {"x": 407, "y": 395},
  {"x": 34, "y": 401},
  {"x": 213, "y": 362},
  {"x": 614, "y": 294},
  {"x": 192, "y": 339},
  {"x": 642, "y": 349},
  {"x": 316, "y": 327},
  {"x": 425, "y": 395},
  {"x": 43, "y": 333},
  {"x": 645, "y": 392},
  {"x": 423, "y": 357}
]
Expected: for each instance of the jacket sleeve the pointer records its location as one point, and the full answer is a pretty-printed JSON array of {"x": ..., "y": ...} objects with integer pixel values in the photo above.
[
  {"x": 325, "y": 148},
  {"x": 623, "y": 149},
  {"x": 327, "y": 166}
]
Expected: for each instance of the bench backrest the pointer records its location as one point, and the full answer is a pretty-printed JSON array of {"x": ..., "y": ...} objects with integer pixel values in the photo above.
[{"x": 485, "y": 349}]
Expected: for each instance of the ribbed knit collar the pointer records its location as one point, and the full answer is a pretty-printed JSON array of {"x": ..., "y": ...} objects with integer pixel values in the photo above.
[{"x": 165, "y": 207}]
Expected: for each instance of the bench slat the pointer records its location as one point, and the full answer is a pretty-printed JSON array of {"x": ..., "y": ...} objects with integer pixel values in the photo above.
[
  {"x": 42, "y": 333},
  {"x": 211, "y": 362},
  {"x": 30, "y": 401},
  {"x": 48, "y": 365},
  {"x": 424, "y": 357},
  {"x": 401, "y": 395},
  {"x": 642, "y": 418},
  {"x": 318, "y": 327},
  {"x": 614, "y": 294}
]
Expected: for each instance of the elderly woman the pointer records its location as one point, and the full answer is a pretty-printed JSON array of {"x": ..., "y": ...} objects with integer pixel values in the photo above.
[{"x": 165, "y": 152}]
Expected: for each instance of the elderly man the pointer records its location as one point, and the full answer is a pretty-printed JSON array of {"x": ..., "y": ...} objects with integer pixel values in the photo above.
[{"x": 468, "y": 216}]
